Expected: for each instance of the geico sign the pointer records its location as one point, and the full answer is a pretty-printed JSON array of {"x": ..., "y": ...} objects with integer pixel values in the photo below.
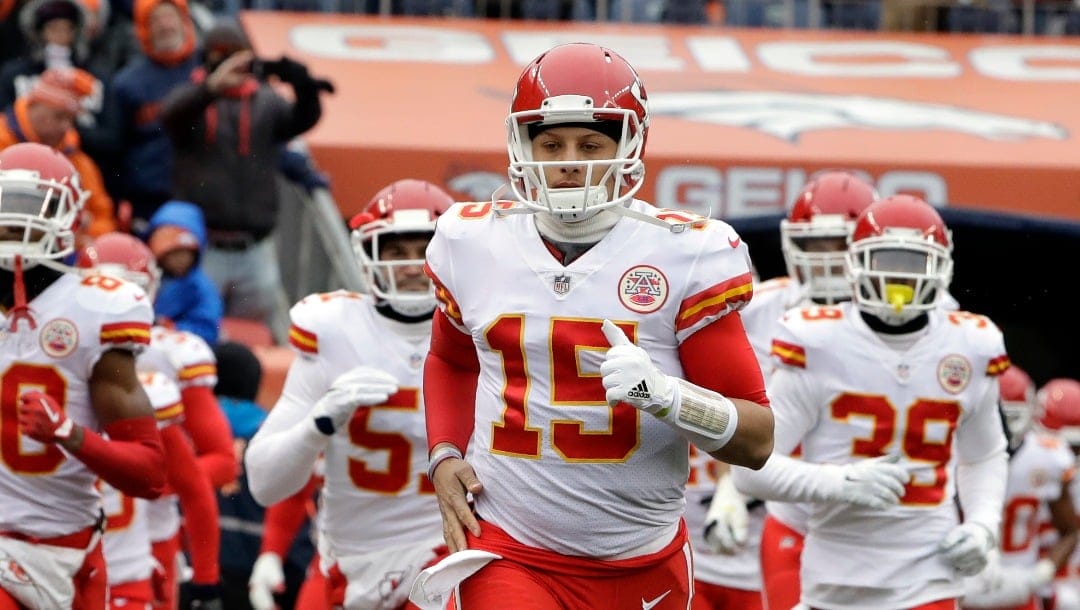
[
  {"x": 752, "y": 191},
  {"x": 872, "y": 58}
]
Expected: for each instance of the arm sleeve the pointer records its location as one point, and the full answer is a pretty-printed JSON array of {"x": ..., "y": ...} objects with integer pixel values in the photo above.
[
  {"x": 983, "y": 463},
  {"x": 451, "y": 373},
  {"x": 197, "y": 503},
  {"x": 281, "y": 456},
  {"x": 131, "y": 460},
  {"x": 736, "y": 374},
  {"x": 205, "y": 423},
  {"x": 284, "y": 519},
  {"x": 783, "y": 478},
  {"x": 182, "y": 108}
]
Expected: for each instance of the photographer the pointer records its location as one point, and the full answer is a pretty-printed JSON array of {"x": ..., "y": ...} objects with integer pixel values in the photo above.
[{"x": 229, "y": 128}]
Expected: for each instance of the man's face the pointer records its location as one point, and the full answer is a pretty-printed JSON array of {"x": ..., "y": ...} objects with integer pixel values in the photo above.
[
  {"x": 568, "y": 144},
  {"x": 166, "y": 28},
  {"x": 407, "y": 278},
  {"x": 49, "y": 123},
  {"x": 59, "y": 32}
]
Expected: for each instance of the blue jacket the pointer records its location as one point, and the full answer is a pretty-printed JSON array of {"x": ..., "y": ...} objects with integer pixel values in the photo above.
[{"x": 191, "y": 302}]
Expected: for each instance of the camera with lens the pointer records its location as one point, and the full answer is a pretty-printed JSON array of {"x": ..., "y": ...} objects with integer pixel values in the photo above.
[{"x": 262, "y": 68}]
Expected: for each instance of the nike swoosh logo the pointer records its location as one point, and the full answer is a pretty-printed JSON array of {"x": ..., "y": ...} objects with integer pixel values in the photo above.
[
  {"x": 140, "y": 297},
  {"x": 734, "y": 243},
  {"x": 649, "y": 605}
]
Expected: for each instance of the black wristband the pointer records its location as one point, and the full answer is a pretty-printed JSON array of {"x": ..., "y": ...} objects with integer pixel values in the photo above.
[{"x": 325, "y": 425}]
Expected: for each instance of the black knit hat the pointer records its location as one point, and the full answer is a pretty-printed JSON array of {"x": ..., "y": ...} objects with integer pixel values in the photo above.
[
  {"x": 239, "y": 371},
  {"x": 611, "y": 129},
  {"x": 58, "y": 9}
]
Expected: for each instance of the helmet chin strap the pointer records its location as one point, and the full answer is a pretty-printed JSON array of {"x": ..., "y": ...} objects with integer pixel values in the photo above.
[{"x": 21, "y": 311}]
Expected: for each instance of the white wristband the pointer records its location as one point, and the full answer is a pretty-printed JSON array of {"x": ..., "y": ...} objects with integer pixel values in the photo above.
[
  {"x": 441, "y": 454},
  {"x": 707, "y": 418}
]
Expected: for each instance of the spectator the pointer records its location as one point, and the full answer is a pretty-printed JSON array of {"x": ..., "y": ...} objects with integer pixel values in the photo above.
[
  {"x": 228, "y": 130},
  {"x": 188, "y": 299},
  {"x": 167, "y": 37},
  {"x": 46, "y": 115}
]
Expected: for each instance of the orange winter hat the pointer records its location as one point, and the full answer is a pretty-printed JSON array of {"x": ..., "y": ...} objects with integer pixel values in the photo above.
[{"x": 62, "y": 88}]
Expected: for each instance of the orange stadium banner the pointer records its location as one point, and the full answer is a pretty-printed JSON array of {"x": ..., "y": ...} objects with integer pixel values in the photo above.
[{"x": 740, "y": 117}]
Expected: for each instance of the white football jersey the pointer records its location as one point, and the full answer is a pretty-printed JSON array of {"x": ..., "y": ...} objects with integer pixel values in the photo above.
[
  {"x": 741, "y": 570},
  {"x": 1037, "y": 472},
  {"x": 846, "y": 395},
  {"x": 563, "y": 470},
  {"x": 771, "y": 299},
  {"x": 44, "y": 491},
  {"x": 181, "y": 355},
  {"x": 382, "y": 452},
  {"x": 126, "y": 542}
]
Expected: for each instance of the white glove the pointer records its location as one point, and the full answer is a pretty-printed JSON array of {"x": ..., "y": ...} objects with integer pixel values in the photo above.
[
  {"x": 967, "y": 547},
  {"x": 1042, "y": 574},
  {"x": 630, "y": 376},
  {"x": 361, "y": 386},
  {"x": 727, "y": 521},
  {"x": 874, "y": 483},
  {"x": 267, "y": 578}
]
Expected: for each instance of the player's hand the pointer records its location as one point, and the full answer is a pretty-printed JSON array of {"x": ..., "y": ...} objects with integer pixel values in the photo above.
[
  {"x": 361, "y": 386},
  {"x": 267, "y": 578},
  {"x": 874, "y": 483},
  {"x": 967, "y": 547},
  {"x": 42, "y": 419},
  {"x": 727, "y": 521},
  {"x": 630, "y": 376},
  {"x": 454, "y": 479},
  {"x": 1041, "y": 574}
]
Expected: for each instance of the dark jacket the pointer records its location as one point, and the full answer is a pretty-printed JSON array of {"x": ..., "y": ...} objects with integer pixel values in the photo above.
[
  {"x": 227, "y": 149},
  {"x": 191, "y": 302}
]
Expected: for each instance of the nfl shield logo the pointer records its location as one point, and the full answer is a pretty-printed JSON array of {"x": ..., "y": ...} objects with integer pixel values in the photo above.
[{"x": 561, "y": 285}]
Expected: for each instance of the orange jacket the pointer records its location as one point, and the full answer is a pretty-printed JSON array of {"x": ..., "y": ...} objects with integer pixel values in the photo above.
[{"x": 98, "y": 213}]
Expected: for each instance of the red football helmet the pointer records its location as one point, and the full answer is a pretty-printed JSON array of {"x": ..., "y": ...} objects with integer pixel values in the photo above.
[
  {"x": 1017, "y": 402},
  {"x": 899, "y": 259},
  {"x": 124, "y": 256},
  {"x": 1059, "y": 409},
  {"x": 814, "y": 235},
  {"x": 578, "y": 83},
  {"x": 40, "y": 204},
  {"x": 405, "y": 207}
]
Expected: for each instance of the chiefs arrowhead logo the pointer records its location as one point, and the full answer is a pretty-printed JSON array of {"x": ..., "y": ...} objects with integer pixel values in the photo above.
[{"x": 789, "y": 115}]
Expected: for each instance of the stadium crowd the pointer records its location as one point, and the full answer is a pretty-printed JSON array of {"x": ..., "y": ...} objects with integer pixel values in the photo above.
[{"x": 679, "y": 442}]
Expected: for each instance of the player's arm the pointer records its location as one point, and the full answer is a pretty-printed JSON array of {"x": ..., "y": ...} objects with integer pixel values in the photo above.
[
  {"x": 280, "y": 457},
  {"x": 451, "y": 372},
  {"x": 1063, "y": 518},
  {"x": 131, "y": 458},
  {"x": 205, "y": 423},
  {"x": 876, "y": 482},
  {"x": 736, "y": 376},
  {"x": 197, "y": 503}
]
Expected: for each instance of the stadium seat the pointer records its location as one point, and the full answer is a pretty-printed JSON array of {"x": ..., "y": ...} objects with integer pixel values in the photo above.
[
  {"x": 542, "y": 10},
  {"x": 685, "y": 11},
  {"x": 853, "y": 15},
  {"x": 1072, "y": 23},
  {"x": 973, "y": 19},
  {"x": 249, "y": 332},
  {"x": 767, "y": 13},
  {"x": 275, "y": 363}
]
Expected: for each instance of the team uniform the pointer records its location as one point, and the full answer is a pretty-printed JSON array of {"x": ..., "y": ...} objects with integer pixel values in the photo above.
[
  {"x": 723, "y": 581},
  {"x": 185, "y": 359},
  {"x": 127, "y": 528},
  {"x": 540, "y": 412},
  {"x": 369, "y": 546},
  {"x": 50, "y": 507},
  {"x": 1037, "y": 473},
  {"x": 934, "y": 401}
]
